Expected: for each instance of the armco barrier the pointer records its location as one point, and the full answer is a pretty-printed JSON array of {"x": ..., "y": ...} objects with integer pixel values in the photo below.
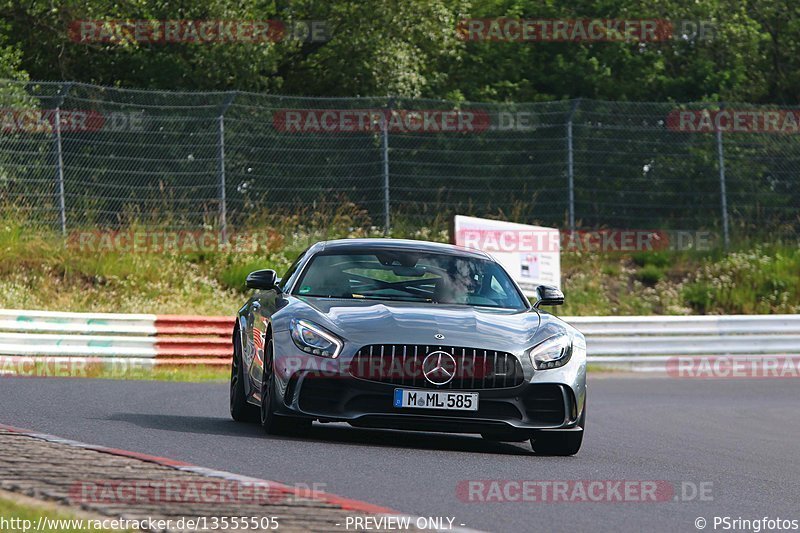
[
  {"x": 168, "y": 338},
  {"x": 648, "y": 342},
  {"x": 635, "y": 340}
]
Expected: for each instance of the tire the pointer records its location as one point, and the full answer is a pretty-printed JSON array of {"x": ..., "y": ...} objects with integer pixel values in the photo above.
[
  {"x": 272, "y": 423},
  {"x": 557, "y": 442},
  {"x": 241, "y": 410},
  {"x": 560, "y": 443}
]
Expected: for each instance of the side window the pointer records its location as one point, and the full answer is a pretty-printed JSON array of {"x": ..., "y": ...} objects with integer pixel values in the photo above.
[
  {"x": 502, "y": 292},
  {"x": 496, "y": 287},
  {"x": 292, "y": 269}
]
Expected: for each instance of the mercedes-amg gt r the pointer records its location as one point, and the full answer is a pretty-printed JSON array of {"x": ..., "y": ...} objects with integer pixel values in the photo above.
[{"x": 409, "y": 335}]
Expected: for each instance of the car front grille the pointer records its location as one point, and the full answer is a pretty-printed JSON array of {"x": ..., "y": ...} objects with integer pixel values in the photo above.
[{"x": 401, "y": 364}]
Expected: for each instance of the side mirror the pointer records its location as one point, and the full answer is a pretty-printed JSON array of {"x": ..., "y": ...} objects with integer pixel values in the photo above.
[
  {"x": 262, "y": 279},
  {"x": 548, "y": 295}
]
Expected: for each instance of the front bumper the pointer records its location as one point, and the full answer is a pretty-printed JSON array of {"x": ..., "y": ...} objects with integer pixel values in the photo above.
[
  {"x": 364, "y": 403},
  {"x": 546, "y": 400}
]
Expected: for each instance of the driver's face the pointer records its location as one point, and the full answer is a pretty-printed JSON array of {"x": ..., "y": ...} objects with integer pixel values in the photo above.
[{"x": 467, "y": 278}]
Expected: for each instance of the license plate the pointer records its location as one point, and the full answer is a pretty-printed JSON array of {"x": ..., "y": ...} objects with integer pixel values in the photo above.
[{"x": 426, "y": 399}]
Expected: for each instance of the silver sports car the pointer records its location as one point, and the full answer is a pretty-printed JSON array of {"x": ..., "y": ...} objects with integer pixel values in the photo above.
[{"x": 412, "y": 335}]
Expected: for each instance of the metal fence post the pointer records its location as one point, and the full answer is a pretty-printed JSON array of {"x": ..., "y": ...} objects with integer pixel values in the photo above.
[
  {"x": 571, "y": 164},
  {"x": 385, "y": 151},
  {"x": 62, "y": 204},
  {"x": 722, "y": 190},
  {"x": 221, "y": 192}
]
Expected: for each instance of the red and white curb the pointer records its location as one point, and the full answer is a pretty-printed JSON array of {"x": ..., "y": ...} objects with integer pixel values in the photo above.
[{"x": 347, "y": 504}]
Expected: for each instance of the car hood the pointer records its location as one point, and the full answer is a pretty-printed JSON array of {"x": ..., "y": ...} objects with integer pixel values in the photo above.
[{"x": 372, "y": 322}]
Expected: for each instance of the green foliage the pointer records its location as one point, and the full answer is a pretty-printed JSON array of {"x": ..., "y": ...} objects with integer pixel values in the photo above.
[
  {"x": 753, "y": 280},
  {"x": 27, "y": 509},
  {"x": 762, "y": 280},
  {"x": 657, "y": 259},
  {"x": 38, "y": 271},
  {"x": 650, "y": 274},
  {"x": 234, "y": 271},
  {"x": 10, "y": 57},
  {"x": 185, "y": 373},
  {"x": 410, "y": 48}
]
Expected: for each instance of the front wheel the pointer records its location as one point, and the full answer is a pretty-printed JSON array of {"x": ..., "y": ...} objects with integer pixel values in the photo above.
[
  {"x": 241, "y": 410},
  {"x": 557, "y": 442},
  {"x": 272, "y": 423},
  {"x": 560, "y": 442}
]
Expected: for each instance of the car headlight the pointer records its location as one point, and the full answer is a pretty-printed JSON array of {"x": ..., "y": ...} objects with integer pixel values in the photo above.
[
  {"x": 552, "y": 353},
  {"x": 312, "y": 339}
]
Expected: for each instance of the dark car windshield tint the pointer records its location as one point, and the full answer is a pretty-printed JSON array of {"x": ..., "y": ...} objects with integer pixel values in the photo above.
[{"x": 409, "y": 276}]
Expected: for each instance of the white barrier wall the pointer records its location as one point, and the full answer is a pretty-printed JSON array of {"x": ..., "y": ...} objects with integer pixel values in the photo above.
[
  {"x": 609, "y": 339},
  {"x": 54, "y": 333}
]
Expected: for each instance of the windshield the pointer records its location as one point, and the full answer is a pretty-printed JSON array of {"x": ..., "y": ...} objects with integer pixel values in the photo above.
[{"x": 409, "y": 276}]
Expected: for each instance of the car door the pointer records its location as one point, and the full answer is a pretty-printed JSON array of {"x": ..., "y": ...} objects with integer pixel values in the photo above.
[{"x": 261, "y": 307}]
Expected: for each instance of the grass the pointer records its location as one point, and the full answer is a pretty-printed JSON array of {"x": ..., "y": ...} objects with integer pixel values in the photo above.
[
  {"x": 195, "y": 374},
  {"x": 756, "y": 281},
  {"x": 39, "y": 271},
  {"x": 119, "y": 370},
  {"x": 600, "y": 369},
  {"x": 760, "y": 279},
  {"x": 22, "y": 513}
]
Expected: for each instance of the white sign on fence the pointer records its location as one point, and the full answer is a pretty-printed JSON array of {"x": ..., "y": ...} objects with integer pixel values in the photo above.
[{"x": 530, "y": 254}]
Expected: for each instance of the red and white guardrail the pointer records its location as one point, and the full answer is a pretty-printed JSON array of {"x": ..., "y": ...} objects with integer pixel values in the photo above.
[
  {"x": 178, "y": 339},
  {"x": 165, "y": 338}
]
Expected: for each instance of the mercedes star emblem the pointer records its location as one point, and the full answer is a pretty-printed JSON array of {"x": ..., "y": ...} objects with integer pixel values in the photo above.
[{"x": 439, "y": 367}]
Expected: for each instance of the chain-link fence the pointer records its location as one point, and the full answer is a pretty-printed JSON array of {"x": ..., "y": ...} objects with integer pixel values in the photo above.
[{"x": 76, "y": 155}]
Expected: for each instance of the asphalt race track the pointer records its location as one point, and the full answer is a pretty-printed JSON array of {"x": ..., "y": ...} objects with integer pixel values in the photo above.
[{"x": 742, "y": 436}]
